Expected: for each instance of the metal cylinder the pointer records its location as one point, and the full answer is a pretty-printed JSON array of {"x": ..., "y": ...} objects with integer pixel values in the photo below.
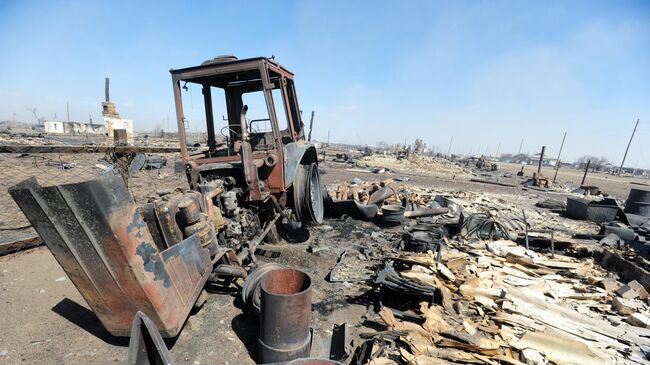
[
  {"x": 638, "y": 202},
  {"x": 392, "y": 215},
  {"x": 189, "y": 211},
  {"x": 285, "y": 316},
  {"x": 271, "y": 160},
  {"x": 311, "y": 361}
]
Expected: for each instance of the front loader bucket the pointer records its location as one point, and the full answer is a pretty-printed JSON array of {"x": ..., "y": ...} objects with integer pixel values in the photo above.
[{"x": 101, "y": 241}]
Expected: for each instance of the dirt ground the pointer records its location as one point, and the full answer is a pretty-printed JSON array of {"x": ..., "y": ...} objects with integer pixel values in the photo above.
[
  {"x": 617, "y": 186},
  {"x": 45, "y": 320}
]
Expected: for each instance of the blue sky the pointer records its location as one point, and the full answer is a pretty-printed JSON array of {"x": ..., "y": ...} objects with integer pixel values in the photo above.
[{"x": 486, "y": 73}]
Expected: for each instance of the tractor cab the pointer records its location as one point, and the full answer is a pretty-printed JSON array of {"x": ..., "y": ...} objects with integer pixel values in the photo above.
[{"x": 256, "y": 144}]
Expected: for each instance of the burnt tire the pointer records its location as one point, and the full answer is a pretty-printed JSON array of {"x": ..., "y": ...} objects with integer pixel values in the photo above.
[{"x": 251, "y": 291}]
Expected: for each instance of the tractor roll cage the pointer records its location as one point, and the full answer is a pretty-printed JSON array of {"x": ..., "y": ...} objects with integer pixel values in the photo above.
[{"x": 237, "y": 77}]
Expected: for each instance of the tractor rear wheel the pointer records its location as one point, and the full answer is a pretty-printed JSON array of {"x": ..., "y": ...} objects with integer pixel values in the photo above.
[
  {"x": 314, "y": 195},
  {"x": 307, "y": 194}
]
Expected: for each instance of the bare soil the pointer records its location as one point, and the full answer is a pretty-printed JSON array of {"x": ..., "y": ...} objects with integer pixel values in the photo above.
[{"x": 614, "y": 185}]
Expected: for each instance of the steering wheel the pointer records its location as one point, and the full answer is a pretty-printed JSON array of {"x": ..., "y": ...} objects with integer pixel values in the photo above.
[
  {"x": 250, "y": 124},
  {"x": 230, "y": 129}
]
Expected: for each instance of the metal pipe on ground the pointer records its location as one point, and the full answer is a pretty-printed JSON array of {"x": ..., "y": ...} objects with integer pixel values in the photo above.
[
  {"x": 285, "y": 316},
  {"x": 425, "y": 212}
]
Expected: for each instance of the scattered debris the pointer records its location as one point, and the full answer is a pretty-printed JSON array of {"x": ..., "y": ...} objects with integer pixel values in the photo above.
[
  {"x": 146, "y": 346},
  {"x": 450, "y": 276},
  {"x": 605, "y": 210},
  {"x": 552, "y": 204}
]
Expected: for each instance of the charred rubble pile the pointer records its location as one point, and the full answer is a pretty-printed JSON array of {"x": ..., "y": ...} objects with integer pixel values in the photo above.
[
  {"x": 458, "y": 277},
  {"x": 446, "y": 277},
  {"x": 413, "y": 163},
  {"x": 480, "y": 279}
]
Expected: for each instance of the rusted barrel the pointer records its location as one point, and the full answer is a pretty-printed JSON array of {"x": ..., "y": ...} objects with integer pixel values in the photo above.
[{"x": 285, "y": 316}]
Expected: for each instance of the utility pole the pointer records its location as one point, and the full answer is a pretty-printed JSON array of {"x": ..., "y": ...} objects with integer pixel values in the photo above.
[
  {"x": 556, "y": 168},
  {"x": 328, "y": 138},
  {"x": 449, "y": 150},
  {"x": 561, "y": 147},
  {"x": 541, "y": 158},
  {"x": 585, "y": 175},
  {"x": 557, "y": 163},
  {"x": 67, "y": 110},
  {"x": 520, "y": 145},
  {"x": 628, "y": 146},
  {"x": 311, "y": 125}
]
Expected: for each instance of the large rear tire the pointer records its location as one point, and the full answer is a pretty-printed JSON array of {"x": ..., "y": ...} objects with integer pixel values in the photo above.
[
  {"x": 314, "y": 195},
  {"x": 308, "y": 195}
]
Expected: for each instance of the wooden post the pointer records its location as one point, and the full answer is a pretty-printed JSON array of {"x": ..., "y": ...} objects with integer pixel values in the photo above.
[
  {"x": 526, "y": 226},
  {"x": 541, "y": 158},
  {"x": 552, "y": 243},
  {"x": 558, "y": 157}
]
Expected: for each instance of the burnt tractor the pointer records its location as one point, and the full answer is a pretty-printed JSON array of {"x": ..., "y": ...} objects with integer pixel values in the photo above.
[
  {"x": 256, "y": 169},
  {"x": 254, "y": 174}
]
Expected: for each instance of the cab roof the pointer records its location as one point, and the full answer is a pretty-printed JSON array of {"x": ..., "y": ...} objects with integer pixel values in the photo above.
[{"x": 224, "y": 70}]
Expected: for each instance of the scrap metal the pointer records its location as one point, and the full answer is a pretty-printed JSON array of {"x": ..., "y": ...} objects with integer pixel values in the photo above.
[
  {"x": 102, "y": 242},
  {"x": 285, "y": 318}
]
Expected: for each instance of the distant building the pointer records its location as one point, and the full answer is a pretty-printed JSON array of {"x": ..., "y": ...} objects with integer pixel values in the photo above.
[
  {"x": 73, "y": 128},
  {"x": 523, "y": 159},
  {"x": 636, "y": 172}
]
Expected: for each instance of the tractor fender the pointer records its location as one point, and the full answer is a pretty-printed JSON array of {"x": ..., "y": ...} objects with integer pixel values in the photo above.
[{"x": 297, "y": 153}]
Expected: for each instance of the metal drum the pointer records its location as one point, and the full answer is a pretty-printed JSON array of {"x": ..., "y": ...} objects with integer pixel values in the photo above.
[
  {"x": 638, "y": 202},
  {"x": 311, "y": 361},
  {"x": 285, "y": 316}
]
